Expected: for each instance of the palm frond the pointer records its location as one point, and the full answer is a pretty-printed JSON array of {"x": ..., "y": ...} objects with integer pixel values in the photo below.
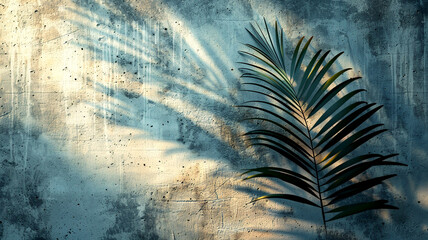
[{"x": 312, "y": 127}]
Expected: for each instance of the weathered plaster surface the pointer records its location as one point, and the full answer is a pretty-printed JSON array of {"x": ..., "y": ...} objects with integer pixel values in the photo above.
[{"x": 117, "y": 117}]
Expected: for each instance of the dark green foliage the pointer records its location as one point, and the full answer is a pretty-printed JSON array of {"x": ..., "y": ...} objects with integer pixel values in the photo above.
[{"x": 312, "y": 127}]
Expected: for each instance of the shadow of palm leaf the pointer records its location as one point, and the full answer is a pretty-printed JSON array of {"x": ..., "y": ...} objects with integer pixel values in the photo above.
[
  {"x": 202, "y": 105},
  {"x": 183, "y": 104}
]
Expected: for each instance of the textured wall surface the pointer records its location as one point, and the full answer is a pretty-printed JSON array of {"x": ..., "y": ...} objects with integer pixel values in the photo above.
[{"x": 117, "y": 117}]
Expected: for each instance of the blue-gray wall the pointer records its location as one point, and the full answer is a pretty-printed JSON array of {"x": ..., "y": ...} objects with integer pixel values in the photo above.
[{"x": 117, "y": 118}]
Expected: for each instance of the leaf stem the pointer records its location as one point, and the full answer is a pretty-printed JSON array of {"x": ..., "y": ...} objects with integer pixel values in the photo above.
[{"x": 316, "y": 167}]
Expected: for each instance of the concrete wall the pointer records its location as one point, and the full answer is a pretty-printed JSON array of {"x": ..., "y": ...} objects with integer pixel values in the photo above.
[{"x": 117, "y": 117}]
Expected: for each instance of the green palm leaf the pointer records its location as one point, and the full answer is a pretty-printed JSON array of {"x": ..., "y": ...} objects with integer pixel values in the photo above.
[{"x": 312, "y": 127}]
